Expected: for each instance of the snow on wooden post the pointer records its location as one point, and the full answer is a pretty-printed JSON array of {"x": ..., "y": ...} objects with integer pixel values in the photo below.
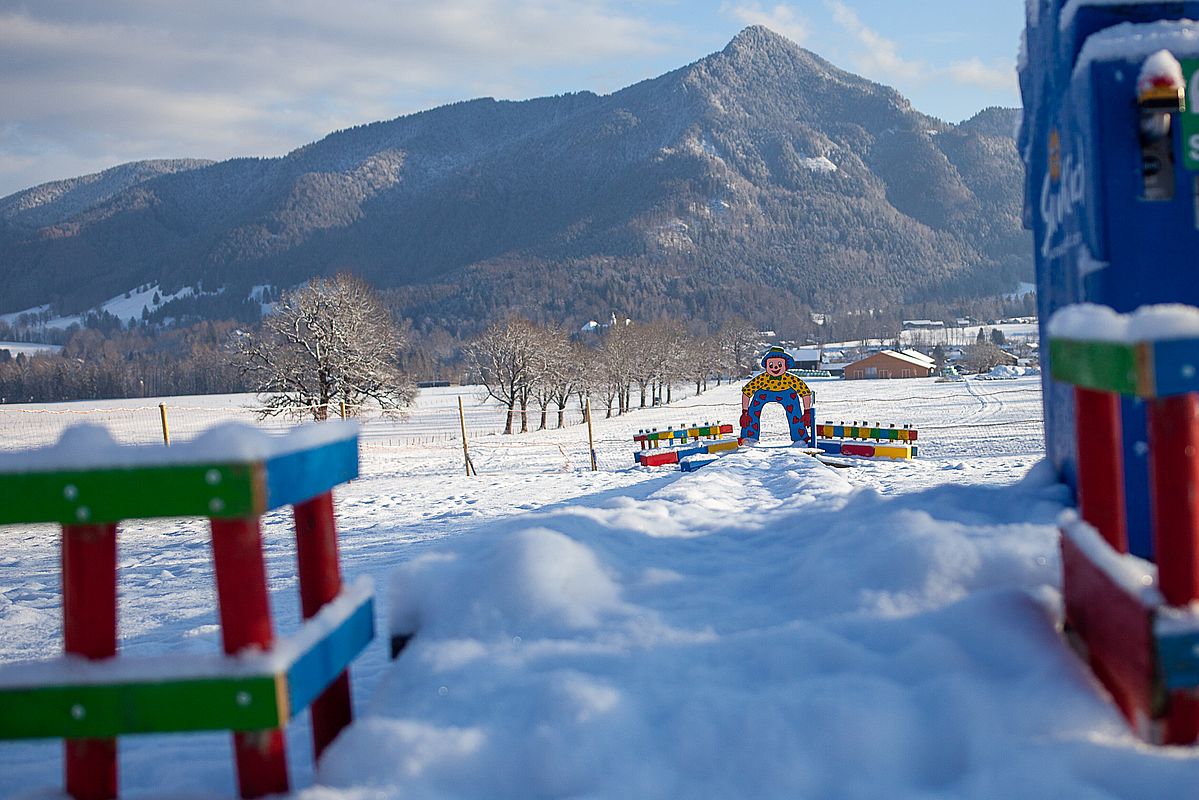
[
  {"x": 89, "y": 603},
  {"x": 231, "y": 475},
  {"x": 320, "y": 583}
]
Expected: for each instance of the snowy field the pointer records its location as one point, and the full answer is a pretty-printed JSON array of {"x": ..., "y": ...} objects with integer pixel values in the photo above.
[{"x": 768, "y": 627}]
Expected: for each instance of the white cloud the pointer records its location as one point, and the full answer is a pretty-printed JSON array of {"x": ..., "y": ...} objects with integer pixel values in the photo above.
[
  {"x": 780, "y": 18},
  {"x": 973, "y": 72},
  {"x": 129, "y": 79},
  {"x": 879, "y": 57}
]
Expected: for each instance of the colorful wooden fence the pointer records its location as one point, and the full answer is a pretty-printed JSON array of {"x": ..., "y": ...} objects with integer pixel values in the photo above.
[
  {"x": 232, "y": 476},
  {"x": 867, "y": 441},
  {"x": 683, "y": 443},
  {"x": 654, "y": 439},
  {"x": 1132, "y": 618}
]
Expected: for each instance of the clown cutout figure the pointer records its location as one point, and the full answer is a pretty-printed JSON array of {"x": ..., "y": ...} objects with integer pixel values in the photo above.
[{"x": 775, "y": 385}]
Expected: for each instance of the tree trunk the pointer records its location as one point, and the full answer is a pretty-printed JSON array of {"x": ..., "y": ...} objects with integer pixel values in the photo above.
[
  {"x": 668, "y": 394},
  {"x": 524, "y": 415},
  {"x": 508, "y": 421},
  {"x": 544, "y": 417}
]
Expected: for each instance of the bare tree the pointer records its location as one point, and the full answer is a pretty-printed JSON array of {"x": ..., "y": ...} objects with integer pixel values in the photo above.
[
  {"x": 738, "y": 342},
  {"x": 981, "y": 357},
  {"x": 330, "y": 340},
  {"x": 618, "y": 357},
  {"x": 506, "y": 358}
]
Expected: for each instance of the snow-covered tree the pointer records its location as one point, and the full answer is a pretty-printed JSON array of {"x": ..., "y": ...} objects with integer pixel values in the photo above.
[{"x": 331, "y": 340}]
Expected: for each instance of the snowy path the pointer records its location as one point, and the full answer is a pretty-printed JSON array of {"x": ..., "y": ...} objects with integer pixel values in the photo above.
[{"x": 767, "y": 627}]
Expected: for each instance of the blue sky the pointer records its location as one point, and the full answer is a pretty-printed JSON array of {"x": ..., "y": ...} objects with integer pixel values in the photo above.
[{"x": 86, "y": 85}]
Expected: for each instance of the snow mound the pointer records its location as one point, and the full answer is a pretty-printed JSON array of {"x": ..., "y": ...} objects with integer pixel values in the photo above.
[
  {"x": 760, "y": 628},
  {"x": 1002, "y": 372}
]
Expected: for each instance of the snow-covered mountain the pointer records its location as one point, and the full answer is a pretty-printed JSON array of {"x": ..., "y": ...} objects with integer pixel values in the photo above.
[{"x": 759, "y": 177}]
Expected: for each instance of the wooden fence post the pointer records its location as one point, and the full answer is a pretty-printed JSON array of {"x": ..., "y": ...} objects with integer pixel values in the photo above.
[
  {"x": 245, "y": 616},
  {"x": 470, "y": 467},
  {"x": 166, "y": 431},
  {"x": 89, "y": 605},
  {"x": 590, "y": 435},
  {"x": 320, "y": 582}
]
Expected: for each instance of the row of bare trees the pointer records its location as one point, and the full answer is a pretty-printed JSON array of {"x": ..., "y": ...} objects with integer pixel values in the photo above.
[{"x": 531, "y": 368}]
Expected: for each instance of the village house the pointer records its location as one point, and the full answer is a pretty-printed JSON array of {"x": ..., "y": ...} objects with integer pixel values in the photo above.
[{"x": 891, "y": 364}]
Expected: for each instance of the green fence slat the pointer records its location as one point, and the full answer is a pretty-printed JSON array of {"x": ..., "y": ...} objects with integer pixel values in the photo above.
[
  {"x": 246, "y": 703},
  {"x": 111, "y": 495},
  {"x": 1102, "y": 366}
]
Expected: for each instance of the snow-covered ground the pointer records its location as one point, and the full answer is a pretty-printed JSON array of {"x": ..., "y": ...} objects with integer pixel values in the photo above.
[
  {"x": 29, "y": 348},
  {"x": 768, "y": 627},
  {"x": 122, "y": 307}
]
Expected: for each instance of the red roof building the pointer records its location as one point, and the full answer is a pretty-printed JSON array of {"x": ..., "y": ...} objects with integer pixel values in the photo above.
[{"x": 890, "y": 364}]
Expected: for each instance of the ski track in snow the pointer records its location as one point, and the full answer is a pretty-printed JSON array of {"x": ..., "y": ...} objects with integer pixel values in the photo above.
[{"x": 767, "y": 627}]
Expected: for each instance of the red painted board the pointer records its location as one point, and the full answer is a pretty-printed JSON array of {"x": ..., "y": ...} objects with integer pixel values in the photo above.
[
  {"x": 658, "y": 459},
  {"x": 1117, "y": 628},
  {"x": 849, "y": 449}
]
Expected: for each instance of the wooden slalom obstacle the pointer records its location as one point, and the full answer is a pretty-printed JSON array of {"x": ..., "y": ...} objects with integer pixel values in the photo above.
[
  {"x": 232, "y": 475},
  {"x": 1131, "y": 619},
  {"x": 867, "y": 441},
  {"x": 692, "y": 440}
]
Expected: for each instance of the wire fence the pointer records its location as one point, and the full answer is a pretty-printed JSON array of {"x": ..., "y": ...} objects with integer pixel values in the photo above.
[{"x": 428, "y": 439}]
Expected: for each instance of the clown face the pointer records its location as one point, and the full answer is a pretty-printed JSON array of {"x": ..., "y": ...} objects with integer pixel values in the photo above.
[{"x": 776, "y": 366}]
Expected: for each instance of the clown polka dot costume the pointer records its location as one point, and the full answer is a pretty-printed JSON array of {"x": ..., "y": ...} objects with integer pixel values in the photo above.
[{"x": 775, "y": 385}]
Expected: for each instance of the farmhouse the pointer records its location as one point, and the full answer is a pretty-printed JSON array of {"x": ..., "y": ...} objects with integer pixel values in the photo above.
[{"x": 890, "y": 364}]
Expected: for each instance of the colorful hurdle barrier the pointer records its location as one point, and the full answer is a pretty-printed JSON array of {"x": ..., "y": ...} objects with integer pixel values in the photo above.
[
  {"x": 655, "y": 438},
  {"x": 867, "y": 441},
  {"x": 232, "y": 475},
  {"x": 705, "y": 440},
  {"x": 1131, "y": 619}
]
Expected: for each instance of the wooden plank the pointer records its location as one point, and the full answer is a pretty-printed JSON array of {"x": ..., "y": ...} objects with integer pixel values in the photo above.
[
  {"x": 321, "y": 664},
  {"x": 892, "y": 451},
  {"x": 295, "y": 477},
  {"x": 110, "y": 495},
  {"x": 1172, "y": 367},
  {"x": 1103, "y": 366},
  {"x": 660, "y": 458},
  {"x": 1178, "y": 657},
  {"x": 1117, "y": 629},
  {"x": 243, "y": 703}
]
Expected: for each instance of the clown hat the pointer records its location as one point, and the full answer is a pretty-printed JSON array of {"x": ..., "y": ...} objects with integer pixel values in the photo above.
[{"x": 778, "y": 352}]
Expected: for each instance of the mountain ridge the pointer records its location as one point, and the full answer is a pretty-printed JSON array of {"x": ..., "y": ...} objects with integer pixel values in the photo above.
[{"x": 761, "y": 169}]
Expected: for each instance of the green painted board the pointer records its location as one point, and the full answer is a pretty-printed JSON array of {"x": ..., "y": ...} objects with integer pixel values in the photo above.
[
  {"x": 112, "y": 495},
  {"x": 1102, "y": 366},
  {"x": 97, "y": 711},
  {"x": 1190, "y": 116}
]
